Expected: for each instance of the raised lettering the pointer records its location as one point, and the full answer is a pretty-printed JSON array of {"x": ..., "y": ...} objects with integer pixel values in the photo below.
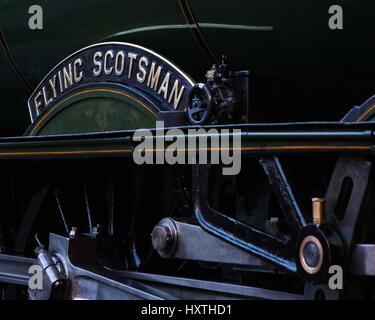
[
  {"x": 107, "y": 70},
  {"x": 60, "y": 81},
  {"x": 131, "y": 57},
  {"x": 77, "y": 76},
  {"x": 175, "y": 94},
  {"x": 164, "y": 86},
  {"x": 119, "y": 63},
  {"x": 153, "y": 76},
  {"x": 46, "y": 100},
  {"x": 37, "y": 102},
  {"x": 68, "y": 77},
  {"x": 96, "y": 72},
  {"x": 141, "y": 75},
  {"x": 52, "y": 83}
]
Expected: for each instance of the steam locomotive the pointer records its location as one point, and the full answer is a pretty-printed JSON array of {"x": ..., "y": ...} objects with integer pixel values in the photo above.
[{"x": 77, "y": 210}]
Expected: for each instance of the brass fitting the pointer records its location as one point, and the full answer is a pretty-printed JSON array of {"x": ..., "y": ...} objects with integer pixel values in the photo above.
[
  {"x": 73, "y": 232},
  {"x": 318, "y": 210}
]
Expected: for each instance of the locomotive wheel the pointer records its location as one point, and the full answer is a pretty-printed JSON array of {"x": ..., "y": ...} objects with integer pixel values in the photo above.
[
  {"x": 364, "y": 224},
  {"x": 350, "y": 187}
]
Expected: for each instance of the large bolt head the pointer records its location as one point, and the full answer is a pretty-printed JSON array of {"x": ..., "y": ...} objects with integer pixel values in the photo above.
[
  {"x": 164, "y": 238},
  {"x": 73, "y": 232},
  {"x": 311, "y": 254},
  {"x": 160, "y": 237}
]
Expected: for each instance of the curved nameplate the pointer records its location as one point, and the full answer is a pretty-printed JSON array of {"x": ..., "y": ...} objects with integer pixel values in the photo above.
[{"x": 113, "y": 62}]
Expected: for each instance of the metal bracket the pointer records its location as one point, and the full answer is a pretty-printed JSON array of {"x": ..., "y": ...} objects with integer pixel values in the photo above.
[
  {"x": 363, "y": 260},
  {"x": 181, "y": 242},
  {"x": 14, "y": 269}
]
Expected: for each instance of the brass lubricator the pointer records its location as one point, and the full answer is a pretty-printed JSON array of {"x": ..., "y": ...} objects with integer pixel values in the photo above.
[{"x": 318, "y": 211}]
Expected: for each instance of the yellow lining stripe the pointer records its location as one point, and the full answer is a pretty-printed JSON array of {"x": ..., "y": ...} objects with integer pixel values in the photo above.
[
  {"x": 162, "y": 150},
  {"x": 63, "y": 152},
  {"x": 273, "y": 148}
]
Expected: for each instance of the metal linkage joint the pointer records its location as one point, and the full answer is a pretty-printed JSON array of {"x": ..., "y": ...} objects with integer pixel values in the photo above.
[{"x": 53, "y": 282}]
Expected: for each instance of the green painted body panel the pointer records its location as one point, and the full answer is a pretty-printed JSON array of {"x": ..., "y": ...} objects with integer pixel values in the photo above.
[
  {"x": 308, "y": 72},
  {"x": 97, "y": 112}
]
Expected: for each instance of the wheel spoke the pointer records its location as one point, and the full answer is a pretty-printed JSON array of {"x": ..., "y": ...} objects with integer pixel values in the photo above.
[
  {"x": 195, "y": 110},
  {"x": 61, "y": 212},
  {"x": 283, "y": 191},
  {"x": 88, "y": 210}
]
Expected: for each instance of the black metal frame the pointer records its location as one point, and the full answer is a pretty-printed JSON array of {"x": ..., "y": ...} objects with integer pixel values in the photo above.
[{"x": 284, "y": 253}]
